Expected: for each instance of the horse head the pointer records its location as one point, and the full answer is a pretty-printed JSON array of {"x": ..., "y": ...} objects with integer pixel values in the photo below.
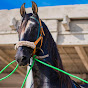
[{"x": 28, "y": 31}]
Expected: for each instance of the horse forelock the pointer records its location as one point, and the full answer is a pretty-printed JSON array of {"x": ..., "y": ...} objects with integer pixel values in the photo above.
[{"x": 24, "y": 24}]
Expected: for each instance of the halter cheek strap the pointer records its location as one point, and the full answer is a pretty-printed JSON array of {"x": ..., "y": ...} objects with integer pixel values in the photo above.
[
  {"x": 33, "y": 44},
  {"x": 40, "y": 38}
]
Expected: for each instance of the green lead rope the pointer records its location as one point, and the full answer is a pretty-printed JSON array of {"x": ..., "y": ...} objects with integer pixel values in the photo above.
[
  {"x": 7, "y": 66},
  {"x": 27, "y": 74},
  {"x": 11, "y": 72},
  {"x": 60, "y": 70},
  {"x": 31, "y": 68}
]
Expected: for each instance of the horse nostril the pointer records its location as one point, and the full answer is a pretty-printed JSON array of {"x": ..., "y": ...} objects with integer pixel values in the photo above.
[
  {"x": 18, "y": 60},
  {"x": 23, "y": 58}
]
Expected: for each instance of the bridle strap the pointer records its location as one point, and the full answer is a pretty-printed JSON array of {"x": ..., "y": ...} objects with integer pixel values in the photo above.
[
  {"x": 40, "y": 38},
  {"x": 35, "y": 19},
  {"x": 42, "y": 31},
  {"x": 36, "y": 42}
]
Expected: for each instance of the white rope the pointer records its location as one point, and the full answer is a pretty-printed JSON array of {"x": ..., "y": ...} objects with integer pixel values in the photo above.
[
  {"x": 25, "y": 43},
  {"x": 42, "y": 57}
]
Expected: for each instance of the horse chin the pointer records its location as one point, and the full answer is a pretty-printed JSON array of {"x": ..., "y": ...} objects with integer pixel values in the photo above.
[{"x": 24, "y": 63}]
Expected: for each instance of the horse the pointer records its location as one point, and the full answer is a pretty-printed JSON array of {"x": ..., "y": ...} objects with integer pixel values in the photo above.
[{"x": 31, "y": 30}]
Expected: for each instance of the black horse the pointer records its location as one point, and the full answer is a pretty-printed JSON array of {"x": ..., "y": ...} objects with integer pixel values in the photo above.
[{"x": 43, "y": 76}]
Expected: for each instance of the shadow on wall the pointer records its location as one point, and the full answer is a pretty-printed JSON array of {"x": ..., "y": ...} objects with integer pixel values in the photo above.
[
  {"x": 76, "y": 32},
  {"x": 78, "y": 27}
]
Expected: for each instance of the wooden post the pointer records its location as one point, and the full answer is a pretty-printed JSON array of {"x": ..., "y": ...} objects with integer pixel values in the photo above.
[{"x": 83, "y": 56}]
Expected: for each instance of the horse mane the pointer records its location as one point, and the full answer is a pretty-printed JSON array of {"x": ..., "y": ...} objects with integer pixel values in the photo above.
[{"x": 54, "y": 55}]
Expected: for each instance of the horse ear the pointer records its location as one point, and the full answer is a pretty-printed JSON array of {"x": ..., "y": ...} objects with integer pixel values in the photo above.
[
  {"x": 22, "y": 10},
  {"x": 34, "y": 8}
]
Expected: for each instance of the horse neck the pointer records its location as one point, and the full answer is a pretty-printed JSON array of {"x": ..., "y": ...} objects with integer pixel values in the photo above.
[{"x": 49, "y": 47}]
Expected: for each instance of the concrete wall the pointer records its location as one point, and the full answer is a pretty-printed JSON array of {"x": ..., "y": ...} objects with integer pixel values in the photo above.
[{"x": 53, "y": 17}]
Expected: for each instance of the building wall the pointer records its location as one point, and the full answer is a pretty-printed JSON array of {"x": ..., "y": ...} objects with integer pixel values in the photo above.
[{"x": 53, "y": 17}]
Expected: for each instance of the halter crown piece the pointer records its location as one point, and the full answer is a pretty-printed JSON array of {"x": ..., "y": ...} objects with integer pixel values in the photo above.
[{"x": 33, "y": 44}]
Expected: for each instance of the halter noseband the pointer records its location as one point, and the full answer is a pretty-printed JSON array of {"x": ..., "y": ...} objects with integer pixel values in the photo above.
[{"x": 39, "y": 38}]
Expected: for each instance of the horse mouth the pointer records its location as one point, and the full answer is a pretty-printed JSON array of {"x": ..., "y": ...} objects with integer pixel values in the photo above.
[{"x": 23, "y": 63}]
